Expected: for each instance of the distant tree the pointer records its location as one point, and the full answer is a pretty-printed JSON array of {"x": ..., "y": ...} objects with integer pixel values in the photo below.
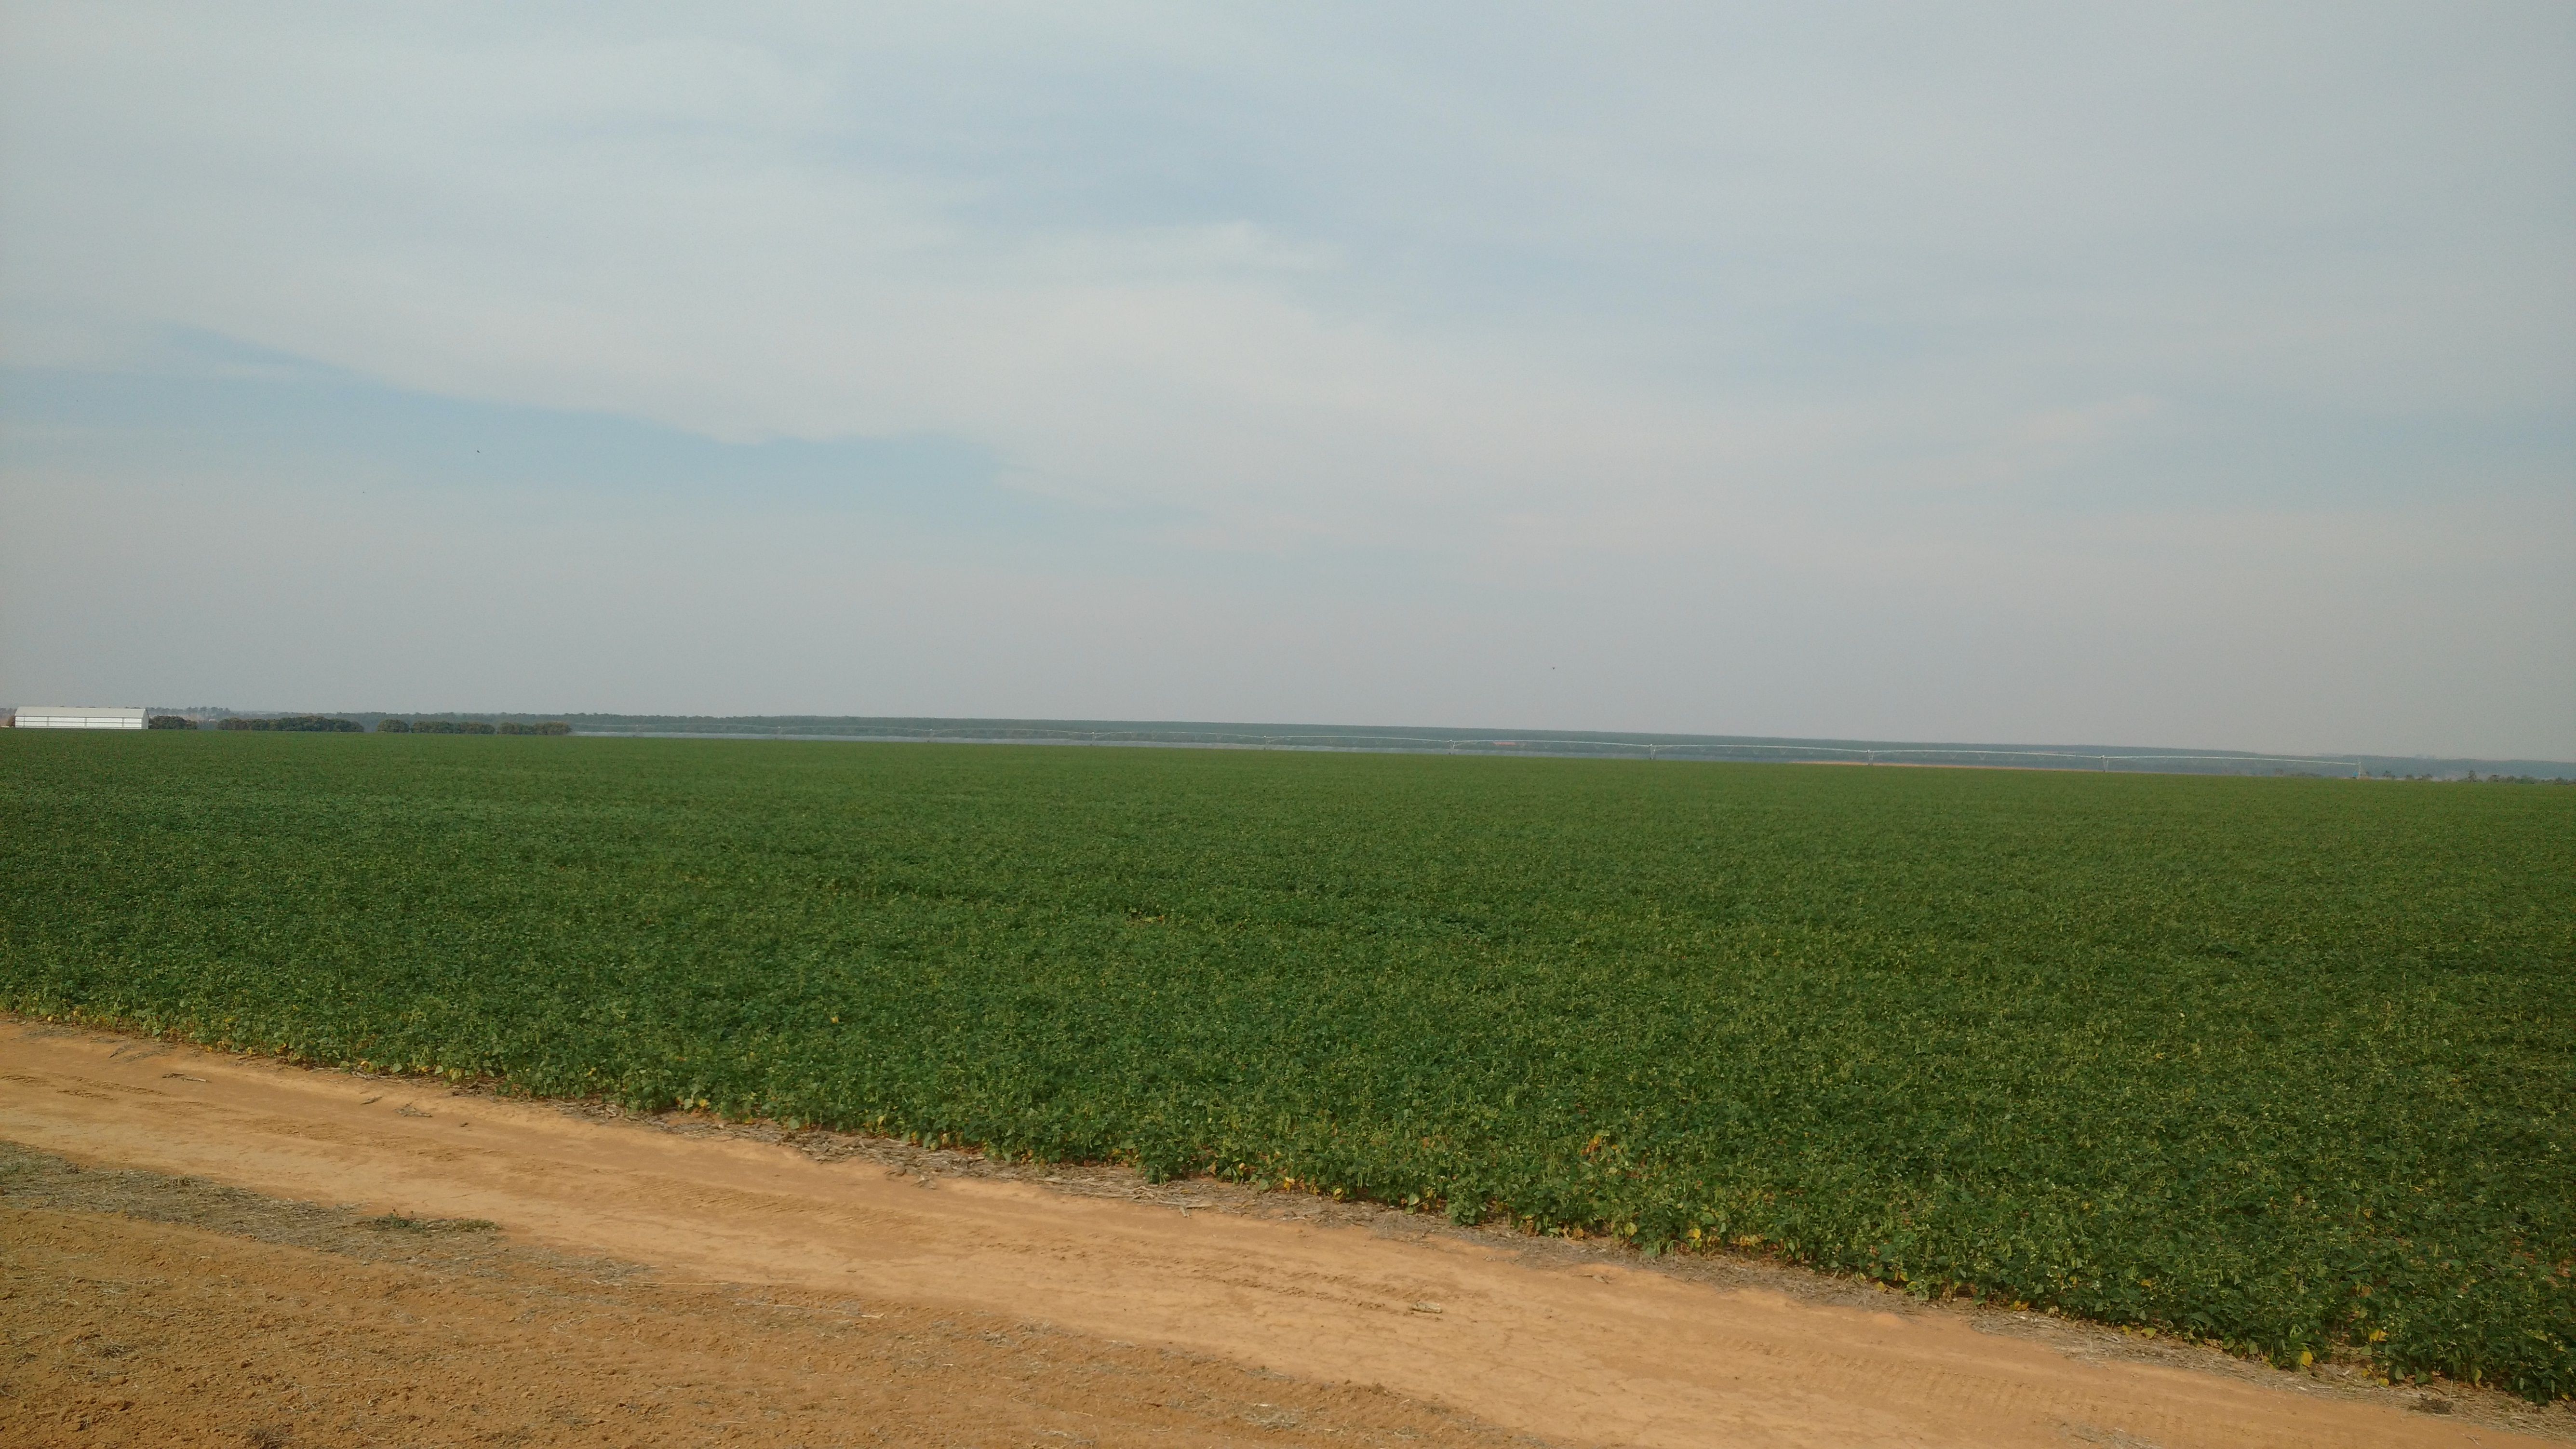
[
  {"x": 296, "y": 723},
  {"x": 478, "y": 727},
  {"x": 171, "y": 722},
  {"x": 391, "y": 726}
]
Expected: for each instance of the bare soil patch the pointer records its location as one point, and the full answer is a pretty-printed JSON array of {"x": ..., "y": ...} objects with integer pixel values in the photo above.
[
  {"x": 146, "y": 1309},
  {"x": 279, "y": 1255}
]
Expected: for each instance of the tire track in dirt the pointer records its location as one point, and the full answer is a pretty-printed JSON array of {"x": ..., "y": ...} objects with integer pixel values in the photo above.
[{"x": 142, "y": 1309}]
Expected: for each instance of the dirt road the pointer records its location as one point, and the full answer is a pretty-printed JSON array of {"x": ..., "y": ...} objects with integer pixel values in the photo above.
[{"x": 644, "y": 1284}]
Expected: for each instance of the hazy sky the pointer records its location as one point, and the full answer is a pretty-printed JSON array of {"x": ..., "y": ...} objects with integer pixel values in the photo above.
[{"x": 2154, "y": 374}]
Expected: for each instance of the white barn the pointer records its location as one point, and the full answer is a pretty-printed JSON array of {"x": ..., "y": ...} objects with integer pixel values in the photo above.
[{"x": 79, "y": 717}]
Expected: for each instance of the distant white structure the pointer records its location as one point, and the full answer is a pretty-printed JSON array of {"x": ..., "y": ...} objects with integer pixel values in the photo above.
[{"x": 79, "y": 717}]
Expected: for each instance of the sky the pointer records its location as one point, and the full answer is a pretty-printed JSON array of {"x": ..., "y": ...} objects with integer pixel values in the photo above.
[{"x": 2161, "y": 375}]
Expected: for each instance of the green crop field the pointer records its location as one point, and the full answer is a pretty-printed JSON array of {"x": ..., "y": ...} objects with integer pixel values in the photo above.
[{"x": 2285, "y": 1063}]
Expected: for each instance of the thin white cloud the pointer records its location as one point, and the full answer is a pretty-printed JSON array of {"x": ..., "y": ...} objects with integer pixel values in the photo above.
[{"x": 1569, "y": 304}]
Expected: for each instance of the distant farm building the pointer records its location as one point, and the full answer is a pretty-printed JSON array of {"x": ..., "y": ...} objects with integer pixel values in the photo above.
[{"x": 78, "y": 717}]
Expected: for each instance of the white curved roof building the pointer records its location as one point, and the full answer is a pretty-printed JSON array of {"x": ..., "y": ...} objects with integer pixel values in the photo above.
[{"x": 79, "y": 717}]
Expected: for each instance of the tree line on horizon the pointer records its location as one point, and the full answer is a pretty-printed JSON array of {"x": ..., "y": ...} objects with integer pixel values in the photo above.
[
  {"x": 392, "y": 726},
  {"x": 331, "y": 724}
]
